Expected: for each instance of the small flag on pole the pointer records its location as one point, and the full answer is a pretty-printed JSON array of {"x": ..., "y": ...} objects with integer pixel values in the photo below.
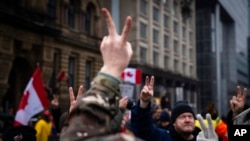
[{"x": 132, "y": 75}]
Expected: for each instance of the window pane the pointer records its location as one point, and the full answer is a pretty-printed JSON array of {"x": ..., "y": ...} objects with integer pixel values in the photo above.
[
  {"x": 155, "y": 36},
  {"x": 176, "y": 63},
  {"x": 71, "y": 71},
  {"x": 166, "y": 41},
  {"x": 184, "y": 68},
  {"x": 165, "y": 2},
  {"x": 89, "y": 19},
  {"x": 190, "y": 54},
  {"x": 143, "y": 30},
  {"x": 143, "y": 55},
  {"x": 51, "y": 8},
  {"x": 88, "y": 74},
  {"x": 156, "y": 58},
  {"x": 183, "y": 32},
  {"x": 175, "y": 8},
  {"x": 71, "y": 14},
  {"x": 56, "y": 62},
  {"x": 166, "y": 62},
  {"x": 166, "y": 21},
  {"x": 184, "y": 50},
  {"x": 191, "y": 70},
  {"x": 176, "y": 48},
  {"x": 143, "y": 7},
  {"x": 155, "y": 14},
  {"x": 175, "y": 27},
  {"x": 190, "y": 37}
]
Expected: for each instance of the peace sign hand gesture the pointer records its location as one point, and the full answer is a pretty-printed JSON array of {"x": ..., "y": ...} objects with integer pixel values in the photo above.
[
  {"x": 208, "y": 132},
  {"x": 116, "y": 51},
  {"x": 73, "y": 101},
  {"x": 147, "y": 92},
  {"x": 237, "y": 102}
]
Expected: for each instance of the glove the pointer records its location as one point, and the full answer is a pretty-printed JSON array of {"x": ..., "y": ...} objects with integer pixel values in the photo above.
[{"x": 208, "y": 132}]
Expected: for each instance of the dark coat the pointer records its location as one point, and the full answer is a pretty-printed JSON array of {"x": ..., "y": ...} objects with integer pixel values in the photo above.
[{"x": 143, "y": 126}]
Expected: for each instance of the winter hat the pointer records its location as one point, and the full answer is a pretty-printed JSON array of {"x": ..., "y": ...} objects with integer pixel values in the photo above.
[
  {"x": 165, "y": 116},
  {"x": 180, "y": 108}
]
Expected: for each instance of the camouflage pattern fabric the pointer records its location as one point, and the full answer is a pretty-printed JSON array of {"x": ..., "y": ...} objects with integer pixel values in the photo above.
[
  {"x": 242, "y": 118},
  {"x": 90, "y": 119},
  {"x": 116, "y": 137}
]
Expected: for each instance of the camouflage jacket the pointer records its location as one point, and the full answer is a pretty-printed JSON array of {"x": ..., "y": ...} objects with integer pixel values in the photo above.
[
  {"x": 90, "y": 119},
  {"x": 243, "y": 118}
]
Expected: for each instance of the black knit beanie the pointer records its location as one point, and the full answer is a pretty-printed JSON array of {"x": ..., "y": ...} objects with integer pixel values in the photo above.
[{"x": 180, "y": 108}]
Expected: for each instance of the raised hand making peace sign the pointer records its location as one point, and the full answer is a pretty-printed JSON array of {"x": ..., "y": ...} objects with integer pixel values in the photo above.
[
  {"x": 237, "y": 102},
  {"x": 147, "y": 92},
  {"x": 116, "y": 51},
  {"x": 208, "y": 132},
  {"x": 72, "y": 98}
]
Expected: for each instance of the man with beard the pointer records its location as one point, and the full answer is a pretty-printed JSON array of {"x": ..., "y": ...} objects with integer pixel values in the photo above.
[{"x": 183, "y": 123}]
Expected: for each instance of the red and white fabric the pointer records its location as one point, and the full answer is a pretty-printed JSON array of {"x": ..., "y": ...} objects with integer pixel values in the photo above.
[
  {"x": 33, "y": 101},
  {"x": 132, "y": 75}
]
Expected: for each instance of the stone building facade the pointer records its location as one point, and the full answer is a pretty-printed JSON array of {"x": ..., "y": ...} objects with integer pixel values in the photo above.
[{"x": 59, "y": 35}]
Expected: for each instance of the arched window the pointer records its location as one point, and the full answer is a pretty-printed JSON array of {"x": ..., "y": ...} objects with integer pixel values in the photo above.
[
  {"x": 90, "y": 18},
  {"x": 71, "y": 14}
]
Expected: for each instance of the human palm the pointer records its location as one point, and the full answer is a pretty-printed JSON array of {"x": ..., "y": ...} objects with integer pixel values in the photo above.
[
  {"x": 148, "y": 90},
  {"x": 237, "y": 102}
]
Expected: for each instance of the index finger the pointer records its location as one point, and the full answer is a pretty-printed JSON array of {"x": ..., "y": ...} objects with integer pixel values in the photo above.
[
  {"x": 124, "y": 98},
  {"x": 203, "y": 126},
  {"x": 244, "y": 95},
  {"x": 147, "y": 81},
  {"x": 238, "y": 91},
  {"x": 210, "y": 125},
  {"x": 109, "y": 21},
  {"x": 71, "y": 95},
  {"x": 152, "y": 81},
  {"x": 80, "y": 90},
  {"x": 126, "y": 29}
]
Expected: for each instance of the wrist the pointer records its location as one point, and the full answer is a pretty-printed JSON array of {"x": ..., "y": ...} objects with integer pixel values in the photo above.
[
  {"x": 143, "y": 104},
  {"x": 235, "y": 114},
  {"x": 111, "y": 71},
  {"x": 111, "y": 77}
]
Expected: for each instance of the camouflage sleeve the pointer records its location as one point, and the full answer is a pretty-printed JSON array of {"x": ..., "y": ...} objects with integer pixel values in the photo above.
[
  {"x": 103, "y": 95},
  {"x": 94, "y": 110}
]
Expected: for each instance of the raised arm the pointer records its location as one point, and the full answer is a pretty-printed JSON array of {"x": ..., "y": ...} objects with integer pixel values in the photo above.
[
  {"x": 94, "y": 110},
  {"x": 141, "y": 118}
]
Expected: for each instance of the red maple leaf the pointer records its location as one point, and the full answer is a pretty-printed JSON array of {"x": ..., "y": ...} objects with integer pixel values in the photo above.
[
  {"x": 24, "y": 100},
  {"x": 129, "y": 74}
]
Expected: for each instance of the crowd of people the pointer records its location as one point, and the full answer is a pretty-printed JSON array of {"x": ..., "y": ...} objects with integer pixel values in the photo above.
[{"x": 101, "y": 114}]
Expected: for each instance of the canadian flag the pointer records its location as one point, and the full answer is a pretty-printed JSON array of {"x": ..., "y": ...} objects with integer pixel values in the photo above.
[
  {"x": 33, "y": 101},
  {"x": 132, "y": 75}
]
